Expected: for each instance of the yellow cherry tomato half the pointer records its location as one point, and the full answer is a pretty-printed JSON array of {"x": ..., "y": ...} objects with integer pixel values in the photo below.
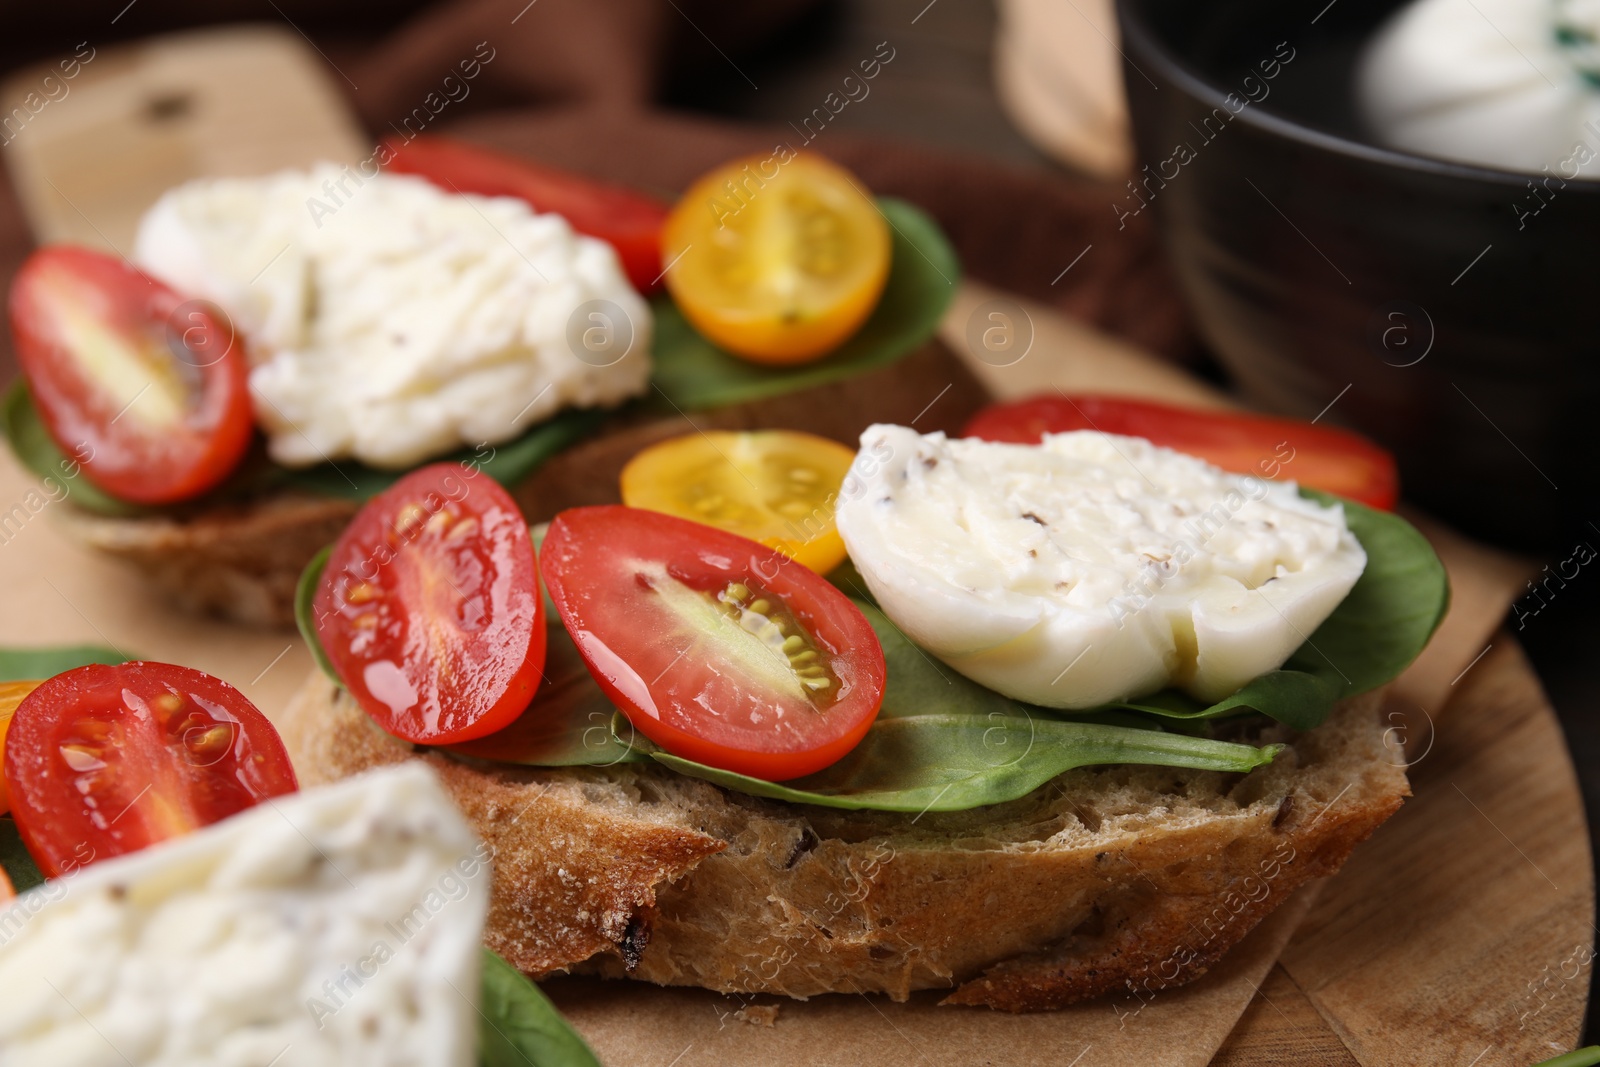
[
  {"x": 777, "y": 487},
  {"x": 777, "y": 258},
  {"x": 11, "y": 694}
]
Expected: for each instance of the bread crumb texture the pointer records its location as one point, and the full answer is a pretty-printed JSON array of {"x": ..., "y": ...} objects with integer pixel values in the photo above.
[
  {"x": 1106, "y": 879},
  {"x": 758, "y": 1014}
]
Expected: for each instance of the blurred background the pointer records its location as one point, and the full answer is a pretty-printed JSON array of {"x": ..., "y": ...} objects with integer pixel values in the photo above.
[
  {"x": 1006, "y": 120},
  {"x": 632, "y": 53}
]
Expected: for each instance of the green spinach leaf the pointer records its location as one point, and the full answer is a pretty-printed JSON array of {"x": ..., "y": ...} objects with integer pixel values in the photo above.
[
  {"x": 569, "y": 723},
  {"x": 1588, "y": 1056},
  {"x": 917, "y": 684},
  {"x": 32, "y": 445},
  {"x": 958, "y": 761},
  {"x": 693, "y": 373},
  {"x": 507, "y": 463},
  {"x": 22, "y": 664},
  {"x": 519, "y": 1027},
  {"x": 305, "y": 593},
  {"x": 15, "y": 860},
  {"x": 942, "y": 742},
  {"x": 1395, "y": 607},
  {"x": 1373, "y": 635}
]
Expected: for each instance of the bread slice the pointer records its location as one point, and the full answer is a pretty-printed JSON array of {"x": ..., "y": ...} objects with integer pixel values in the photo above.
[
  {"x": 1106, "y": 879},
  {"x": 241, "y": 561}
]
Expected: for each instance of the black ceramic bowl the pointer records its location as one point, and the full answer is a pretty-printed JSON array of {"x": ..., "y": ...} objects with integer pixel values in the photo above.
[{"x": 1449, "y": 311}]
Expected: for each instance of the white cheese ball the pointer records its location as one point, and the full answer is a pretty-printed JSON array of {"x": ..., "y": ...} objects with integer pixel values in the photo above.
[
  {"x": 342, "y": 924},
  {"x": 1512, "y": 84},
  {"x": 1090, "y": 568},
  {"x": 393, "y": 322}
]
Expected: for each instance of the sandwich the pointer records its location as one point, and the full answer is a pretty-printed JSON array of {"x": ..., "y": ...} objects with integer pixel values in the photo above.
[
  {"x": 1026, "y": 722},
  {"x": 284, "y": 347}
]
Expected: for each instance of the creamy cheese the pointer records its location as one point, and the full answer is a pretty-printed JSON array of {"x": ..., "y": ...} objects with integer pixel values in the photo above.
[
  {"x": 1505, "y": 83},
  {"x": 394, "y": 322},
  {"x": 1090, "y": 568},
  {"x": 336, "y": 926}
]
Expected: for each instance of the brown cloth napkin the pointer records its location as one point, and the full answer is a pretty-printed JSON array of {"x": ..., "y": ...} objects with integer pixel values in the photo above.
[
  {"x": 621, "y": 53},
  {"x": 390, "y": 53}
]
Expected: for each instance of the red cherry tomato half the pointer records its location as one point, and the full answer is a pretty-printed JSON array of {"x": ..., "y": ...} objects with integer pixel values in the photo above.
[
  {"x": 429, "y": 608},
  {"x": 1322, "y": 457},
  {"x": 717, "y": 648},
  {"x": 629, "y": 221},
  {"x": 147, "y": 390},
  {"x": 102, "y": 761}
]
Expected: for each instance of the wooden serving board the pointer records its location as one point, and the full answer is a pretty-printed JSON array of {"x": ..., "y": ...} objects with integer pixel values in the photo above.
[
  {"x": 1460, "y": 934},
  {"x": 142, "y": 117}
]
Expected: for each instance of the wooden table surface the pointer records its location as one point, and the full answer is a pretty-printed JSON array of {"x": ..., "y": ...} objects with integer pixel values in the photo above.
[{"x": 1461, "y": 933}]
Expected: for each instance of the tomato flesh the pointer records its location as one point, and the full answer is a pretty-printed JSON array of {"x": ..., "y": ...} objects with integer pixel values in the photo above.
[
  {"x": 103, "y": 761},
  {"x": 11, "y": 695},
  {"x": 429, "y": 608},
  {"x": 629, "y": 221},
  {"x": 777, "y": 487},
  {"x": 1322, "y": 457},
  {"x": 718, "y": 649},
  {"x": 778, "y": 261},
  {"x": 147, "y": 391}
]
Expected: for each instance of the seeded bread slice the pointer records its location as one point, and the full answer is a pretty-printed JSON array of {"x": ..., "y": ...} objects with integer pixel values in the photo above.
[
  {"x": 241, "y": 561},
  {"x": 1108, "y": 878}
]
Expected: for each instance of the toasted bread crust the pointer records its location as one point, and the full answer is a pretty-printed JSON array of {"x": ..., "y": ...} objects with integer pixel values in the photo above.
[
  {"x": 1107, "y": 879},
  {"x": 242, "y": 561}
]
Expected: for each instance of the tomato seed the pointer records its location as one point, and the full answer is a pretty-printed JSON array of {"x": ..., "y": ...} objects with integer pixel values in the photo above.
[
  {"x": 209, "y": 743},
  {"x": 193, "y": 721},
  {"x": 408, "y": 518},
  {"x": 82, "y": 758},
  {"x": 769, "y": 622},
  {"x": 95, "y": 730}
]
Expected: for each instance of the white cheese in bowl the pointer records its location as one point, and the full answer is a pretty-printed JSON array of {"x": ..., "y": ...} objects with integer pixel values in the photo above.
[
  {"x": 1090, "y": 568},
  {"x": 1513, "y": 84},
  {"x": 393, "y": 322},
  {"x": 336, "y": 926}
]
